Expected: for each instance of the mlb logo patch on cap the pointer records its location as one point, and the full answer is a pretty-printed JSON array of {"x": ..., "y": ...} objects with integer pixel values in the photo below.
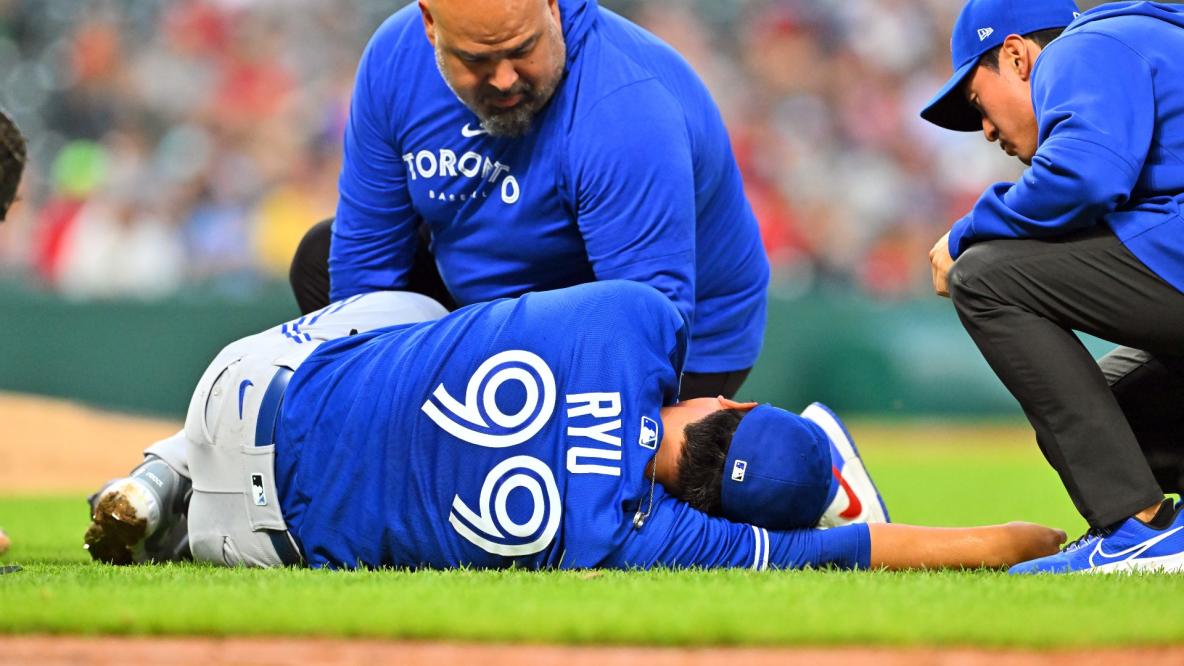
[{"x": 738, "y": 470}]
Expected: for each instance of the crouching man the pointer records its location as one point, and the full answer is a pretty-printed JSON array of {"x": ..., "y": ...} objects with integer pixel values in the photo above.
[{"x": 537, "y": 432}]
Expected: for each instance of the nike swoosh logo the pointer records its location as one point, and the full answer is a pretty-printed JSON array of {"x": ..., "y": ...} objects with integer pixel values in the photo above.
[
  {"x": 470, "y": 133},
  {"x": 854, "y": 506},
  {"x": 1128, "y": 554},
  {"x": 242, "y": 391}
]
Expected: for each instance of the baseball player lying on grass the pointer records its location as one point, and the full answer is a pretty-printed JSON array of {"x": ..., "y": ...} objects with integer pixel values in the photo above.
[{"x": 538, "y": 432}]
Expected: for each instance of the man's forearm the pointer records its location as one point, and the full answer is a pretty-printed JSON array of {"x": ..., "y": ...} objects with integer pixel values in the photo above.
[{"x": 897, "y": 546}]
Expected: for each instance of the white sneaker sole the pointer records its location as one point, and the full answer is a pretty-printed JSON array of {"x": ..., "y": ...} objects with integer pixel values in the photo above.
[
  {"x": 853, "y": 472},
  {"x": 1165, "y": 564}
]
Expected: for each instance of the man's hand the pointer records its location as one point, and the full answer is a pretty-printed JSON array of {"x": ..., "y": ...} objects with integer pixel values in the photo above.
[
  {"x": 940, "y": 262},
  {"x": 1028, "y": 541}
]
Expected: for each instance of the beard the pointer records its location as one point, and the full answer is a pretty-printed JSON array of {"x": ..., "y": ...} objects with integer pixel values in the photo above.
[
  {"x": 516, "y": 121},
  {"x": 513, "y": 122}
]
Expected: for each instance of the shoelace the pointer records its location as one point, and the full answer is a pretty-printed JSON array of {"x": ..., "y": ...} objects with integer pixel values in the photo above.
[{"x": 1090, "y": 535}]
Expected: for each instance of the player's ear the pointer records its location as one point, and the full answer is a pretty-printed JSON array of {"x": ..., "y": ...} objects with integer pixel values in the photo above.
[
  {"x": 1014, "y": 56},
  {"x": 429, "y": 22},
  {"x": 726, "y": 403}
]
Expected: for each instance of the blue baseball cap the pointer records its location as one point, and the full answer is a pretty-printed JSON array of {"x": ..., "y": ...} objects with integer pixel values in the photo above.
[
  {"x": 983, "y": 25},
  {"x": 778, "y": 471}
]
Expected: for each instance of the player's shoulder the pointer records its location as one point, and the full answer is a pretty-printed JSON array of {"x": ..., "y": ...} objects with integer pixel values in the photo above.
[
  {"x": 637, "y": 47},
  {"x": 399, "y": 25},
  {"x": 1069, "y": 63},
  {"x": 626, "y": 69},
  {"x": 401, "y": 33},
  {"x": 396, "y": 67},
  {"x": 1098, "y": 39}
]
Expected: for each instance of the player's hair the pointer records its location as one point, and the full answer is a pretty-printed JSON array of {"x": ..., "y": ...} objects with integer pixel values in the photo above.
[
  {"x": 1043, "y": 38},
  {"x": 701, "y": 466},
  {"x": 12, "y": 162}
]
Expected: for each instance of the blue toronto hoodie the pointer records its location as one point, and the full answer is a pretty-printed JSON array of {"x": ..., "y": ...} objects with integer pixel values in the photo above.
[
  {"x": 1109, "y": 101},
  {"x": 627, "y": 173}
]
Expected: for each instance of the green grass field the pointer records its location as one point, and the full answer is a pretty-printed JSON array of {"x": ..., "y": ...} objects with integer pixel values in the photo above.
[{"x": 966, "y": 481}]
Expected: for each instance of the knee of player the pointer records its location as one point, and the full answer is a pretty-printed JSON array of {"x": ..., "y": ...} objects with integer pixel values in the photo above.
[{"x": 967, "y": 272}]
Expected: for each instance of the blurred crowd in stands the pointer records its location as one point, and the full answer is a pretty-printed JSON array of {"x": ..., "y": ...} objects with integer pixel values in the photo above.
[{"x": 180, "y": 144}]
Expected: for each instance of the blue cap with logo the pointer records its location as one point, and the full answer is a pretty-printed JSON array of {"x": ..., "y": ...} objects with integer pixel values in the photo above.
[
  {"x": 983, "y": 25},
  {"x": 778, "y": 471}
]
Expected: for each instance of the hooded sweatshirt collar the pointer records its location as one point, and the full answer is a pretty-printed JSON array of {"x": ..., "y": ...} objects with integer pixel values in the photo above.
[{"x": 578, "y": 17}]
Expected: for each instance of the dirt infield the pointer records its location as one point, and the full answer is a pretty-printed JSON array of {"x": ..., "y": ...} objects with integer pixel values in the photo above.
[
  {"x": 55, "y": 651},
  {"x": 49, "y": 446}
]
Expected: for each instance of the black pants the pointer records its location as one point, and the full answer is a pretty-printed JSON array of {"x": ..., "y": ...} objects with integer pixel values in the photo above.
[
  {"x": 1111, "y": 429},
  {"x": 309, "y": 274},
  {"x": 309, "y": 277}
]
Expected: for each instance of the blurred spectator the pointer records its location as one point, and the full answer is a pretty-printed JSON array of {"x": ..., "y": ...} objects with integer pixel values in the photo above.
[{"x": 192, "y": 142}]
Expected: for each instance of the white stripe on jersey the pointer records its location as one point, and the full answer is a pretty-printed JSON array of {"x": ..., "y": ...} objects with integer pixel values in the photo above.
[
  {"x": 756, "y": 555},
  {"x": 765, "y": 542}
]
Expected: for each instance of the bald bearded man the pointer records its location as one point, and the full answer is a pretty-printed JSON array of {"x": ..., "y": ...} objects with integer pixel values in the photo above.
[{"x": 527, "y": 145}]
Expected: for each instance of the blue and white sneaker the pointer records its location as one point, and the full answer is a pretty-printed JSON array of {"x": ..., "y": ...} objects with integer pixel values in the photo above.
[
  {"x": 1130, "y": 546},
  {"x": 858, "y": 500}
]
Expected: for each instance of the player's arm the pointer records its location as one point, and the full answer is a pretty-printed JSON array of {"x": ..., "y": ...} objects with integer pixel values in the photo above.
[
  {"x": 676, "y": 535},
  {"x": 896, "y": 546},
  {"x": 630, "y": 177},
  {"x": 1097, "y": 117},
  {"x": 374, "y": 234}
]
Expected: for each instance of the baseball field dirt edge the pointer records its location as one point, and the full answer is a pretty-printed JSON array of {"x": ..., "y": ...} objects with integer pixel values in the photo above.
[{"x": 62, "y": 651}]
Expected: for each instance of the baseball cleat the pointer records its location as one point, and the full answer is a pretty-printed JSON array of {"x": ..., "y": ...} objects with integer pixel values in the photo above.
[
  {"x": 857, "y": 500},
  {"x": 1132, "y": 545},
  {"x": 124, "y": 514},
  {"x": 141, "y": 517}
]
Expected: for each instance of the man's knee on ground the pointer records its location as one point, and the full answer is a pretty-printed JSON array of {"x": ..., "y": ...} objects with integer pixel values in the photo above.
[
  {"x": 313, "y": 251},
  {"x": 309, "y": 273}
]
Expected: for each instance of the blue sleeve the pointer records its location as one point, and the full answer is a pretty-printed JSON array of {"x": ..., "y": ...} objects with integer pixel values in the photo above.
[
  {"x": 1096, "y": 112},
  {"x": 676, "y": 535},
  {"x": 632, "y": 174},
  {"x": 374, "y": 235}
]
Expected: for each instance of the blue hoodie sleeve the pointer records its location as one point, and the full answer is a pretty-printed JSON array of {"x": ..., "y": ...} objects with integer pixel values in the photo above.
[
  {"x": 1095, "y": 106},
  {"x": 677, "y": 536},
  {"x": 633, "y": 185},
  {"x": 374, "y": 235}
]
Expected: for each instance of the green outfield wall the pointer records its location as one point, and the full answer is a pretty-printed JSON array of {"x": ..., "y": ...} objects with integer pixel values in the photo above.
[
  {"x": 140, "y": 357},
  {"x": 860, "y": 356}
]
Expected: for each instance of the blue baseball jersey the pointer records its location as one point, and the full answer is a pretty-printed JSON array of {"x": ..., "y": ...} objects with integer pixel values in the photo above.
[
  {"x": 627, "y": 173},
  {"x": 1109, "y": 101},
  {"x": 515, "y": 432}
]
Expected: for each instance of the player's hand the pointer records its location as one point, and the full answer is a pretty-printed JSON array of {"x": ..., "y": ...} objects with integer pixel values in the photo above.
[
  {"x": 940, "y": 262},
  {"x": 1029, "y": 541}
]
